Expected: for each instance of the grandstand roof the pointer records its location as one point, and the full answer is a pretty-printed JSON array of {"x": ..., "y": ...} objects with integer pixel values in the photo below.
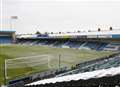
[
  {"x": 10, "y": 31},
  {"x": 113, "y": 32},
  {"x": 85, "y": 76}
]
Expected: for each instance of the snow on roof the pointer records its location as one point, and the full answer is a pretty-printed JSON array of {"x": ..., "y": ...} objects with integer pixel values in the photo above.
[{"x": 87, "y": 75}]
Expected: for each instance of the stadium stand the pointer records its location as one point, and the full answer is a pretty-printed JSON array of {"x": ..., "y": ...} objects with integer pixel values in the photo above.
[
  {"x": 98, "y": 64},
  {"x": 35, "y": 77},
  {"x": 7, "y": 37},
  {"x": 72, "y": 44},
  {"x": 99, "y": 78},
  {"x": 112, "y": 46},
  {"x": 93, "y": 82},
  {"x": 101, "y": 46},
  {"x": 94, "y": 40},
  {"x": 91, "y": 45}
]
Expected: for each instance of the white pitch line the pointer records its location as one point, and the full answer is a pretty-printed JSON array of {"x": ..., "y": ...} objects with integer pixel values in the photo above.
[{"x": 28, "y": 57}]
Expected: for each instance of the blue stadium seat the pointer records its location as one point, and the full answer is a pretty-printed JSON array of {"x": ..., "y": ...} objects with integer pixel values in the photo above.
[
  {"x": 112, "y": 46},
  {"x": 95, "y": 65}
]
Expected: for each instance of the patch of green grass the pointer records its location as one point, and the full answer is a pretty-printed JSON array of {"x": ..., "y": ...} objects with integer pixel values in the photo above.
[
  {"x": 69, "y": 57},
  {"x": 2, "y": 58}
]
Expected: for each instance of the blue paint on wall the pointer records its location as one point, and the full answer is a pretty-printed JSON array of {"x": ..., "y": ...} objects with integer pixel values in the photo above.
[
  {"x": 116, "y": 36},
  {"x": 5, "y": 39}
]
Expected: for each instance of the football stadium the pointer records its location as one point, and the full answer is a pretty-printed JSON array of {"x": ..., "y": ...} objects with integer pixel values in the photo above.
[{"x": 64, "y": 59}]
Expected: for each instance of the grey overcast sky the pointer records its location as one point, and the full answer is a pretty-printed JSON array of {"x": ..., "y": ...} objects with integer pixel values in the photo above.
[{"x": 60, "y": 15}]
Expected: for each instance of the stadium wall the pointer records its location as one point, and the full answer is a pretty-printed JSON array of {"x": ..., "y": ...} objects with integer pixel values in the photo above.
[
  {"x": 116, "y": 36},
  {"x": 7, "y": 37}
]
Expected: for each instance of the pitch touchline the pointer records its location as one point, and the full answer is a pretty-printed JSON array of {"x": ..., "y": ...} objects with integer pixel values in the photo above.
[{"x": 27, "y": 57}]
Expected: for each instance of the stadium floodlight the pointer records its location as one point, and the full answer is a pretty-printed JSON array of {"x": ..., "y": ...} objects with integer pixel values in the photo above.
[
  {"x": 11, "y": 19},
  {"x": 14, "y": 17}
]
